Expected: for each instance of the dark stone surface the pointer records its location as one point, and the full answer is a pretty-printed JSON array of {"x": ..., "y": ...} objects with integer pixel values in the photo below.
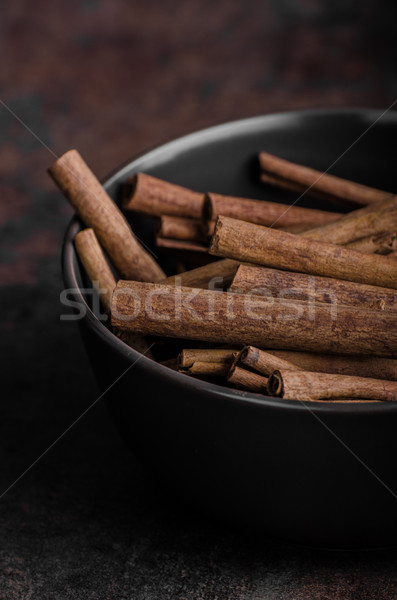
[{"x": 112, "y": 79}]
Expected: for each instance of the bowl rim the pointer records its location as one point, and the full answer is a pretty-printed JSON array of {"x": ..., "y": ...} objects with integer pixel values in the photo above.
[{"x": 179, "y": 144}]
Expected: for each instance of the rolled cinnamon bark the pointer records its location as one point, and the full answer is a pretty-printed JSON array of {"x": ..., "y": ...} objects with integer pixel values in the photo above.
[
  {"x": 278, "y": 249},
  {"x": 103, "y": 280},
  {"x": 361, "y": 366},
  {"x": 299, "y": 286},
  {"x": 95, "y": 207},
  {"x": 370, "y": 220},
  {"x": 152, "y": 196},
  {"x": 264, "y": 362},
  {"x": 206, "y": 369},
  {"x": 309, "y": 386},
  {"x": 264, "y": 212},
  {"x": 293, "y": 186},
  {"x": 180, "y": 228},
  {"x": 210, "y": 355},
  {"x": 330, "y": 187},
  {"x": 220, "y": 273},
  {"x": 228, "y": 318},
  {"x": 181, "y": 245},
  {"x": 96, "y": 265},
  {"x": 242, "y": 378},
  {"x": 208, "y": 228},
  {"x": 382, "y": 243}
]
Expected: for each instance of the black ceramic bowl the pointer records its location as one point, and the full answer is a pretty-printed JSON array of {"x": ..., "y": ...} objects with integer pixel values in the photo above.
[{"x": 324, "y": 475}]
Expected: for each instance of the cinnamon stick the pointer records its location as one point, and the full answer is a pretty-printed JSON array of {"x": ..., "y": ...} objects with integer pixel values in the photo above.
[
  {"x": 152, "y": 196},
  {"x": 103, "y": 280},
  {"x": 382, "y": 243},
  {"x": 242, "y": 378},
  {"x": 278, "y": 249},
  {"x": 285, "y": 284},
  {"x": 95, "y": 207},
  {"x": 96, "y": 265},
  {"x": 309, "y": 386},
  {"x": 370, "y": 220},
  {"x": 219, "y": 273},
  {"x": 361, "y": 366},
  {"x": 180, "y": 228},
  {"x": 189, "y": 356},
  {"x": 181, "y": 245},
  {"x": 264, "y": 362},
  {"x": 206, "y": 369},
  {"x": 229, "y": 318},
  {"x": 314, "y": 182},
  {"x": 264, "y": 212}
]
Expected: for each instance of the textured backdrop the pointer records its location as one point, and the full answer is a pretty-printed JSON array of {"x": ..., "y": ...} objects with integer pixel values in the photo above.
[{"x": 113, "y": 79}]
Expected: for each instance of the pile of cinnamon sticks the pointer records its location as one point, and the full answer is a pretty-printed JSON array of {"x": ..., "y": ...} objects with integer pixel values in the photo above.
[{"x": 300, "y": 304}]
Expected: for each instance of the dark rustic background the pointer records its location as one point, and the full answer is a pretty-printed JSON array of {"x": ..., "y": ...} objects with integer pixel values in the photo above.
[{"x": 113, "y": 78}]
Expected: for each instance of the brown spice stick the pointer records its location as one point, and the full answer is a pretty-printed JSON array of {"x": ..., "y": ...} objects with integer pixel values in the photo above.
[
  {"x": 263, "y": 212},
  {"x": 242, "y": 378},
  {"x": 220, "y": 272},
  {"x": 342, "y": 191},
  {"x": 382, "y": 243},
  {"x": 206, "y": 369},
  {"x": 181, "y": 245},
  {"x": 188, "y": 356},
  {"x": 278, "y": 249},
  {"x": 264, "y": 362},
  {"x": 152, "y": 196},
  {"x": 251, "y": 320},
  {"x": 361, "y": 366},
  {"x": 180, "y": 228},
  {"x": 302, "y": 190},
  {"x": 362, "y": 222},
  {"x": 96, "y": 265},
  {"x": 285, "y": 284},
  {"x": 95, "y": 207},
  {"x": 102, "y": 278},
  {"x": 309, "y": 386},
  {"x": 293, "y": 186},
  {"x": 208, "y": 228}
]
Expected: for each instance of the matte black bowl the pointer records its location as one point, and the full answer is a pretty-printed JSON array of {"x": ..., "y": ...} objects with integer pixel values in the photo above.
[{"x": 324, "y": 475}]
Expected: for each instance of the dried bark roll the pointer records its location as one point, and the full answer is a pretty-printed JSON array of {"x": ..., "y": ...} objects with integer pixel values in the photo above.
[
  {"x": 227, "y": 318},
  {"x": 95, "y": 207},
  {"x": 152, "y": 196},
  {"x": 361, "y": 366},
  {"x": 210, "y": 355},
  {"x": 309, "y": 386},
  {"x": 242, "y": 378},
  {"x": 314, "y": 182},
  {"x": 206, "y": 369},
  {"x": 382, "y": 243},
  {"x": 180, "y": 228},
  {"x": 263, "y": 212},
  {"x": 278, "y": 249},
  {"x": 181, "y": 245},
  {"x": 264, "y": 362},
  {"x": 218, "y": 273},
  {"x": 285, "y": 284},
  {"x": 96, "y": 265},
  {"x": 102, "y": 278},
  {"x": 370, "y": 220}
]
